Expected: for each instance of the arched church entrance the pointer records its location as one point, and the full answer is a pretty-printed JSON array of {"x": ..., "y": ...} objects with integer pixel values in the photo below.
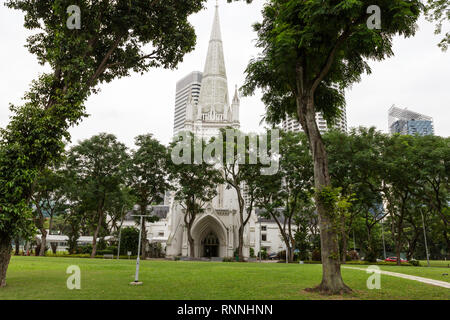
[
  {"x": 210, "y": 237},
  {"x": 210, "y": 246}
]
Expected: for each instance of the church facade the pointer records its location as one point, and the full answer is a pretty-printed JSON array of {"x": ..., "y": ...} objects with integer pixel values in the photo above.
[{"x": 215, "y": 230}]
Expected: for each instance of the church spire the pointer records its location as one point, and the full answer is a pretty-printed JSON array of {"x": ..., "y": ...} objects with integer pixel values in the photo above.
[{"x": 214, "y": 90}]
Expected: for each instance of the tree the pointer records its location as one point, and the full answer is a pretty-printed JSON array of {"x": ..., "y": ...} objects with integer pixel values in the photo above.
[
  {"x": 129, "y": 240},
  {"x": 431, "y": 158},
  {"x": 356, "y": 166},
  {"x": 49, "y": 200},
  {"x": 241, "y": 175},
  {"x": 97, "y": 167},
  {"x": 147, "y": 177},
  {"x": 195, "y": 181},
  {"x": 110, "y": 44},
  {"x": 439, "y": 11},
  {"x": 400, "y": 181},
  {"x": 285, "y": 195},
  {"x": 312, "y": 51},
  {"x": 116, "y": 207}
]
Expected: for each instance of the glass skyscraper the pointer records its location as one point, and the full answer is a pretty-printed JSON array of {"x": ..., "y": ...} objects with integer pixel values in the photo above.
[{"x": 405, "y": 121}]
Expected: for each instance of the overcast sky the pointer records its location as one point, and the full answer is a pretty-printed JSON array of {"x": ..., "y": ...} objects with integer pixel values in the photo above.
[{"x": 418, "y": 77}]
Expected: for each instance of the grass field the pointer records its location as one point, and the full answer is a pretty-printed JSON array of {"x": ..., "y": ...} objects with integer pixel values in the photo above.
[
  {"x": 436, "y": 263},
  {"x": 45, "y": 278}
]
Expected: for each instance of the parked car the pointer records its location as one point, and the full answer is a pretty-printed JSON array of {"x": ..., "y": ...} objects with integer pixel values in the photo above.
[
  {"x": 394, "y": 259},
  {"x": 273, "y": 256}
]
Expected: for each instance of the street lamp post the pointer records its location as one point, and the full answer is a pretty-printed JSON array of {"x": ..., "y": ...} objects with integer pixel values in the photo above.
[{"x": 136, "y": 276}]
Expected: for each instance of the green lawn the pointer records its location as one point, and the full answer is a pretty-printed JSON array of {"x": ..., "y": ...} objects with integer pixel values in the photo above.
[
  {"x": 431, "y": 272},
  {"x": 436, "y": 263},
  {"x": 45, "y": 278}
]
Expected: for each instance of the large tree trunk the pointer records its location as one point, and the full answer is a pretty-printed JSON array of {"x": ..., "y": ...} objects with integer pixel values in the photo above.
[
  {"x": 5, "y": 256},
  {"x": 241, "y": 243},
  {"x": 143, "y": 233},
  {"x": 332, "y": 282},
  {"x": 97, "y": 231},
  {"x": 43, "y": 243},
  {"x": 144, "y": 241},
  {"x": 189, "y": 221},
  {"x": 191, "y": 244}
]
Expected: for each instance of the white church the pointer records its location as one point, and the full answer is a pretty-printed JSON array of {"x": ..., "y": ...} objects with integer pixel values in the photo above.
[{"x": 215, "y": 230}]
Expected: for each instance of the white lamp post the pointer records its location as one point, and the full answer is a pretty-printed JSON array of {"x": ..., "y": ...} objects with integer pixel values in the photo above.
[{"x": 136, "y": 276}]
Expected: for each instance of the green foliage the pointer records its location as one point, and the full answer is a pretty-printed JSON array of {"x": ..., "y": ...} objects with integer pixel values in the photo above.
[
  {"x": 263, "y": 253},
  {"x": 414, "y": 263},
  {"x": 129, "y": 241},
  {"x": 439, "y": 11},
  {"x": 196, "y": 181},
  {"x": 109, "y": 45},
  {"x": 146, "y": 172}
]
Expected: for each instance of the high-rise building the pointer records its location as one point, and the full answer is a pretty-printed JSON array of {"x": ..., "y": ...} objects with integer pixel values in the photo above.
[
  {"x": 189, "y": 86},
  {"x": 405, "y": 121},
  {"x": 291, "y": 124}
]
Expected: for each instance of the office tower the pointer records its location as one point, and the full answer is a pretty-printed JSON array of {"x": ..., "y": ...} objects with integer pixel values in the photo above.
[
  {"x": 187, "y": 87},
  {"x": 291, "y": 124},
  {"x": 405, "y": 121}
]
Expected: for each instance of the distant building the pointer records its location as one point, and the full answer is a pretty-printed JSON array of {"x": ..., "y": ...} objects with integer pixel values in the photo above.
[
  {"x": 291, "y": 124},
  {"x": 405, "y": 121},
  {"x": 189, "y": 86}
]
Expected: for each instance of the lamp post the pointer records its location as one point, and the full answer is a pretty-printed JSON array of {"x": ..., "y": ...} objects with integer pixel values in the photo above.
[{"x": 136, "y": 275}]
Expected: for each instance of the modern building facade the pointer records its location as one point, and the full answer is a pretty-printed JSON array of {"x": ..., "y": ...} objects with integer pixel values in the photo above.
[
  {"x": 187, "y": 87},
  {"x": 404, "y": 121},
  {"x": 291, "y": 124}
]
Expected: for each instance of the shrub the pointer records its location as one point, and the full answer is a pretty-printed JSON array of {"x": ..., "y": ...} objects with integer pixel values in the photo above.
[
  {"x": 414, "y": 262},
  {"x": 129, "y": 241},
  {"x": 263, "y": 253},
  {"x": 252, "y": 252},
  {"x": 352, "y": 255},
  {"x": 84, "y": 249},
  {"x": 228, "y": 259},
  {"x": 371, "y": 256}
]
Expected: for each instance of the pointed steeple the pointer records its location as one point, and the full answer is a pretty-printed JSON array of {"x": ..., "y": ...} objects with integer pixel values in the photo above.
[
  {"x": 235, "y": 106},
  {"x": 236, "y": 95},
  {"x": 214, "y": 90}
]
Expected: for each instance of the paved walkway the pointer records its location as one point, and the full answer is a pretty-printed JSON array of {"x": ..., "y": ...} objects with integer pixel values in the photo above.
[{"x": 407, "y": 276}]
